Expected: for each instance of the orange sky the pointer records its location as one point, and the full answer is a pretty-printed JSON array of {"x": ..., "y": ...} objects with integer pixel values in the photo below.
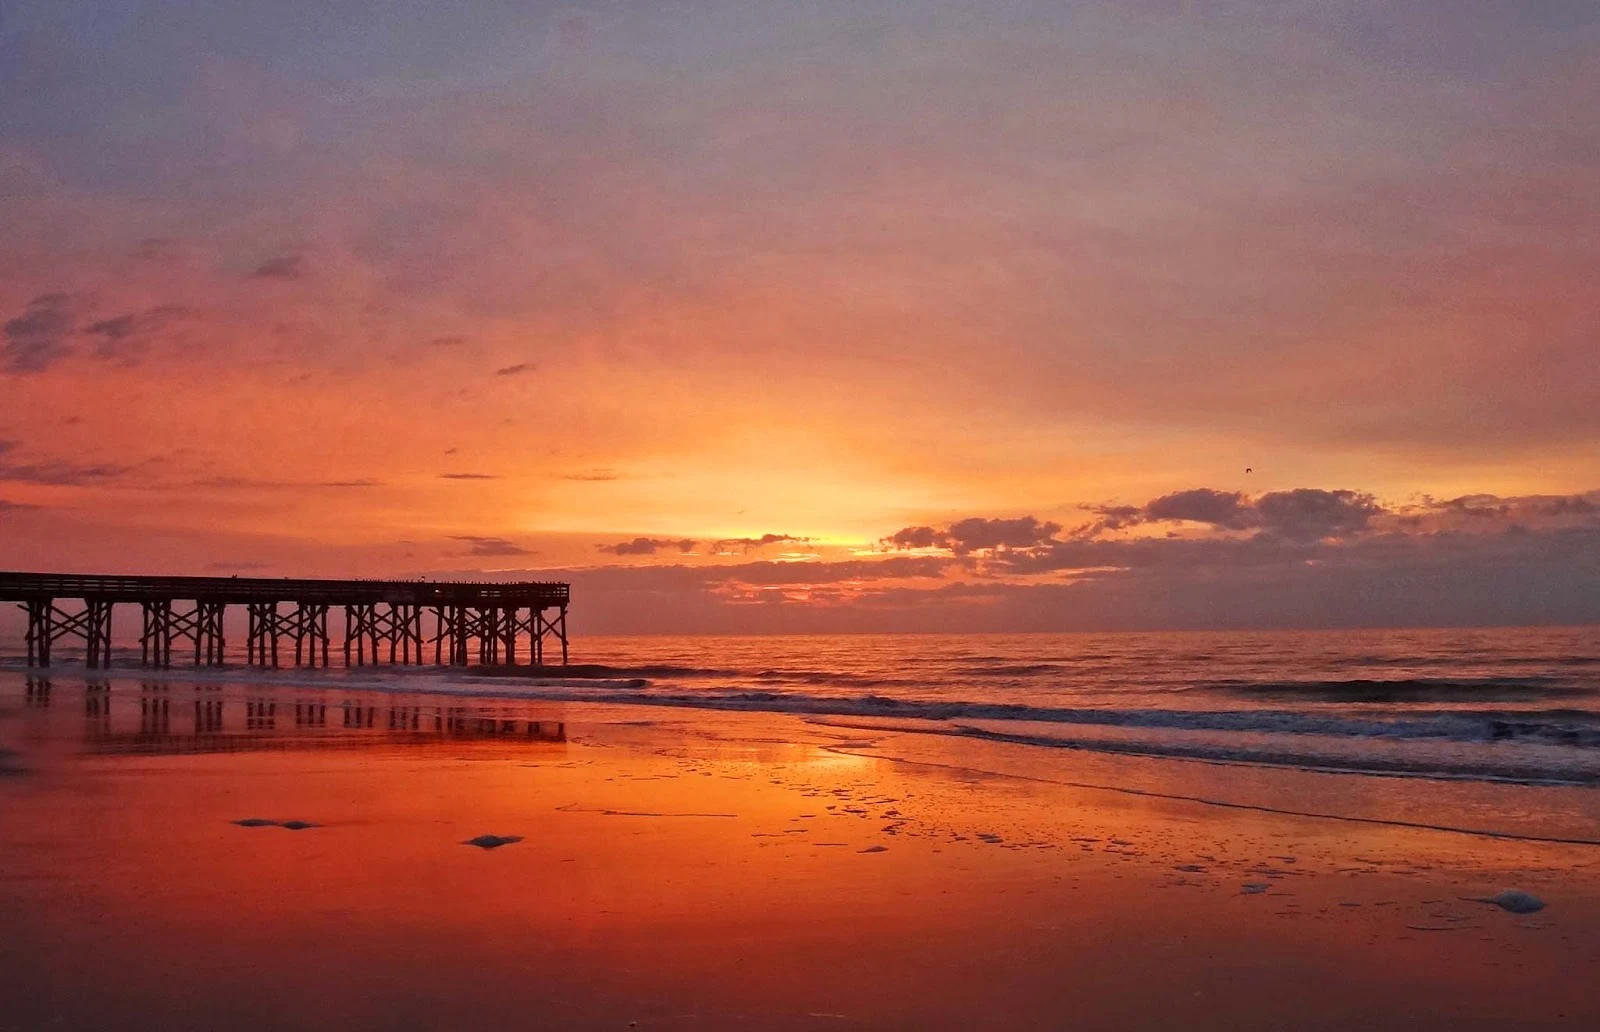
[{"x": 282, "y": 292}]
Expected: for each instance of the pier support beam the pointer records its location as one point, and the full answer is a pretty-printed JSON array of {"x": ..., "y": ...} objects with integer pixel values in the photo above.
[
  {"x": 49, "y": 623},
  {"x": 41, "y": 630},
  {"x": 305, "y": 624},
  {"x": 487, "y": 625},
  {"x": 203, "y": 626},
  {"x": 401, "y": 626},
  {"x": 358, "y": 631},
  {"x": 261, "y": 641},
  {"x": 309, "y": 625},
  {"x": 155, "y": 642},
  {"x": 371, "y": 626},
  {"x": 454, "y": 627},
  {"x": 549, "y": 627},
  {"x": 97, "y": 632}
]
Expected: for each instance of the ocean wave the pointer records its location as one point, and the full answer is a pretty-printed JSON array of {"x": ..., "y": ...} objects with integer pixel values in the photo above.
[
  {"x": 1537, "y": 771},
  {"x": 664, "y": 670},
  {"x": 1413, "y": 689},
  {"x": 1048, "y": 662},
  {"x": 828, "y": 677},
  {"x": 1564, "y": 727},
  {"x": 1518, "y": 659}
]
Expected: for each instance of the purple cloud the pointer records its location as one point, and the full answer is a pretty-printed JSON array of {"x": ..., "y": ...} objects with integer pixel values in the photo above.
[
  {"x": 1300, "y": 514},
  {"x": 977, "y": 534},
  {"x": 1226, "y": 509},
  {"x": 1308, "y": 514}
]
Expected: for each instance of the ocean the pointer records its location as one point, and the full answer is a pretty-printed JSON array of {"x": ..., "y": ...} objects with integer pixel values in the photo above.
[{"x": 1507, "y": 704}]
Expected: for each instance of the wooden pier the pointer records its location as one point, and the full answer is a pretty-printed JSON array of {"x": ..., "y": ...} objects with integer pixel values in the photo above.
[{"x": 393, "y": 621}]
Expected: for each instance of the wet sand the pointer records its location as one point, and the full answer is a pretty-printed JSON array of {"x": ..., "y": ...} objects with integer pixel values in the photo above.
[{"x": 711, "y": 870}]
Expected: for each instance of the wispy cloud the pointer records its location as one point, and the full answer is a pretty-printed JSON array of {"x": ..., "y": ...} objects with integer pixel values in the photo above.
[
  {"x": 648, "y": 546},
  {"x": 226, "y": 483},
  {"x": 55, "y": 472},
  {"x": 289, "y": 266},
  {"x": 156, "y": 249},
  {"x": 746, "y": 544},
  {"x": 124, "y": 337},
  {"x": 39, "y": 337},
  {"x": 490, "y": 546}
]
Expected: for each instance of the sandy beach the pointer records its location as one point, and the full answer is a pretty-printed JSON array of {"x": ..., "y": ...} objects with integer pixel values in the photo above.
[{"x": 714, "y": 870}]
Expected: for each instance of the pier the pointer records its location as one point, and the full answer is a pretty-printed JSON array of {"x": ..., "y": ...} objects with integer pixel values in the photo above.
[{"x": 384, "y": 621}]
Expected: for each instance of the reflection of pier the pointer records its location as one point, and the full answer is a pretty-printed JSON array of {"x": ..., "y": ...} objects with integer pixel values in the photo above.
[
  {"x": 97, "y": 707},
  {"x": 391, "y": 621},
  {"x": 155, "y": 714},
  {"x": 261, "y": 723}
]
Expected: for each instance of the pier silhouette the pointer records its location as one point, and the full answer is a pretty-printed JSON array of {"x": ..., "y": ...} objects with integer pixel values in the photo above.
[{"x": 393, "y": 621}]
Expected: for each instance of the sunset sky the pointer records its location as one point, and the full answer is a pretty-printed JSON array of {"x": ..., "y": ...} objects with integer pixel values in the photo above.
[{"x": 762, "y": 315}]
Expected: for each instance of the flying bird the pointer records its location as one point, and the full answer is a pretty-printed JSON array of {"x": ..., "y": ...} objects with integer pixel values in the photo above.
[{"x": 1247, "y": 469}]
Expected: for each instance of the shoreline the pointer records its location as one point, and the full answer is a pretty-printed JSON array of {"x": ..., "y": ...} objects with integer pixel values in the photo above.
[{"x": 1552, "y": 747}]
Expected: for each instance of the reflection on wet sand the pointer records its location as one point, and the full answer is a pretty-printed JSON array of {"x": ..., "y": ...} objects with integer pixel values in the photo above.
[
  {"x": 217, "y": 723},
  {"x": 36, "y": 692},
  {"x": 734, "y": 871}
]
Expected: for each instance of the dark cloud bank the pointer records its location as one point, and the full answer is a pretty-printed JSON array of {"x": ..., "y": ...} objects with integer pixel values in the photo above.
[{"x": 1194, "y": 559}]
